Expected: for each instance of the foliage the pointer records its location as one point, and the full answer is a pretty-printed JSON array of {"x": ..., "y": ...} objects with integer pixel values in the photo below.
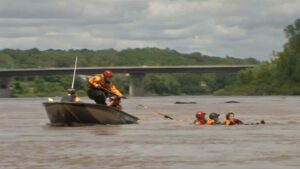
[
  {"x": 155, "y": 84},
  {"x": 280, "y": 76}
]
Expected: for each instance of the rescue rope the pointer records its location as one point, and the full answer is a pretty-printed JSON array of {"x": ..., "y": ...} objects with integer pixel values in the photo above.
[{"x": 157, "y": 112}]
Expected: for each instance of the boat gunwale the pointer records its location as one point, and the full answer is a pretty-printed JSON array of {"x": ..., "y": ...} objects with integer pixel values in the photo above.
[{"x": 91, "y": 105}]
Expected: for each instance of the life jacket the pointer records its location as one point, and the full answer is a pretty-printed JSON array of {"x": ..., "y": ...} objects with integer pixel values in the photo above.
[
  {"x": 210, "y": 121},
  {"x": 98, "y": 79},
  {"x": 199, "y": 122}
]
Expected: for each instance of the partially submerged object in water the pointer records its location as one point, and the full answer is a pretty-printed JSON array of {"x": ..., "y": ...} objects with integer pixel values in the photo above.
[
  {"x": 232, "y": 101},
  {"x": 69, "y": 113},
  {"x": 257, "y": 123},
  {"x": 183, "y": 102}
]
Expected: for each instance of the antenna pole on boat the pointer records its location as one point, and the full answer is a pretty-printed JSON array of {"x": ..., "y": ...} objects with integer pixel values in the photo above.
[{"x": 74, "y": 74}]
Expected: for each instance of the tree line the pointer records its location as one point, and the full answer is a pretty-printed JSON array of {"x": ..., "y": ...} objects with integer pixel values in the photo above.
[
  {"x": 280, "y": 76},
  {"x": 156, "y": 84}
]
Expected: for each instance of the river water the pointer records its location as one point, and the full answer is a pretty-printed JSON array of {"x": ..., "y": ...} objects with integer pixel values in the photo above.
[{"x": 28, "y": 142}]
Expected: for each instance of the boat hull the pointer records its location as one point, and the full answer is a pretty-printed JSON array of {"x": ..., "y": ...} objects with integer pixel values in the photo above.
[{"x": 69, "y": 113}]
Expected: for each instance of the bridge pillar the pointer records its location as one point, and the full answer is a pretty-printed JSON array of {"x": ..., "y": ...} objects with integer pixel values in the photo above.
[
  {"x": 4, "y": 87},
  {"x": 136, "y": 84}
]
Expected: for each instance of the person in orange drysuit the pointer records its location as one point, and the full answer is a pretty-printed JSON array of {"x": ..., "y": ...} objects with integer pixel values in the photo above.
[
  {"x": 230, "y": 120},
  {"x": 213, "y": 119},
  {"x": 200, "y": 118},
  {"x": 100, "y": 88}
]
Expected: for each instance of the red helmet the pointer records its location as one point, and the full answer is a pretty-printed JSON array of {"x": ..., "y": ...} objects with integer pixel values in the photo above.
[
  {"x": 200, "y": 115},
  {"x": 108, "y": 74}
]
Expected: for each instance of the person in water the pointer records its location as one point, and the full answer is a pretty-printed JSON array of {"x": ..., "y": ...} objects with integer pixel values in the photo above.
[
  {"x": 101, "y": 88},
  {"x": 231, "y": 120},
  {"x": 72, "y": 96},
  {"x": 213, "y": 119},
  {"x": 200, "y": 118}
]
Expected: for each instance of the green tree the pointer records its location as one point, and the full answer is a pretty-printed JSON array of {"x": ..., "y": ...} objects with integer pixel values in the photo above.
[
  {"x": 280, "y": 76},
  {"x": 158, "y": 84}
]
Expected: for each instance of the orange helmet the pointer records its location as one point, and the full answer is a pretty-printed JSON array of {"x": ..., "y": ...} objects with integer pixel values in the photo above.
[
  {"x": 200, "y": 115},
  {"x": 108, "y": 74}
]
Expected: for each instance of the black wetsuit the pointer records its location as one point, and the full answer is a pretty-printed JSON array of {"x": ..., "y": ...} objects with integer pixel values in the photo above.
[{"x": 97, "y": 95}]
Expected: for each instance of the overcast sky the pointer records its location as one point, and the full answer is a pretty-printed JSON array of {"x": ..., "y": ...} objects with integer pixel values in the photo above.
[{"x": 239, "y": 28}]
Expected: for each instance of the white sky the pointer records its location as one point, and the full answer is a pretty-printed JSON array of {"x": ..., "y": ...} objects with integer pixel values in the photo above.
[{"x": 238, "y": 28}]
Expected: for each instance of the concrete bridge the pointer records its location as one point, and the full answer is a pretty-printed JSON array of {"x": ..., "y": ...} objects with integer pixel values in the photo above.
[{"x": 136, "y": 73}]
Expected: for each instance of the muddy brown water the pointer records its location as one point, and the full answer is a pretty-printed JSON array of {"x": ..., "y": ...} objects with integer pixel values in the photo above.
[{"x": 26, "y": 141}]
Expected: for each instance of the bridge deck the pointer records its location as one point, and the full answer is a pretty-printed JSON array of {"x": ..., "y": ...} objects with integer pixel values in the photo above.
[{"x": 124, "y": 69}]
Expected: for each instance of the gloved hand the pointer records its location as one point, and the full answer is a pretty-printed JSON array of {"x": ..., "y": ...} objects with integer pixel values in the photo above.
[
  {"x": 117, "y": 97},
  {"x": 99, "y": 87}
]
